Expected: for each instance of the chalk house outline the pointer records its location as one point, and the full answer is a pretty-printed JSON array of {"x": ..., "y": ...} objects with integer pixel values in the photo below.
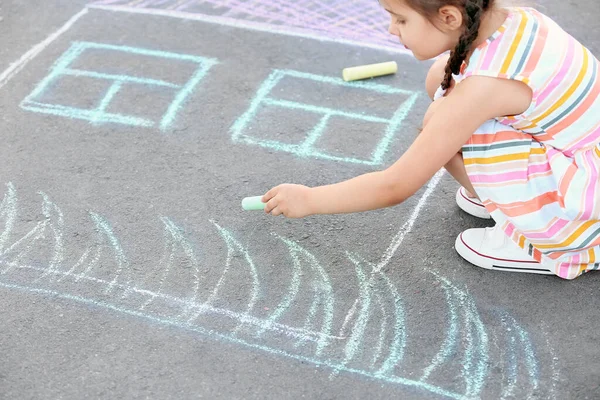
[
  {"x": 99, "y": 115},
  {"x": 308, "y": 148}
]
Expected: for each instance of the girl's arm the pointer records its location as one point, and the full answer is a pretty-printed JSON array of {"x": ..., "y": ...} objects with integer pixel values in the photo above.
[{"x": 471, "y": 103}]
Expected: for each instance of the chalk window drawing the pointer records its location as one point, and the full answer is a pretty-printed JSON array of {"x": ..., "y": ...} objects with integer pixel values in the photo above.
[
  {"x": 86, "y": 81},
  {"x": 269, "y": 120}
]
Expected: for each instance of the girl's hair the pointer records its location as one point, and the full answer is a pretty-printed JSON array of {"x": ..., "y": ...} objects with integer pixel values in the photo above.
[{"x": 473, "y": 11}]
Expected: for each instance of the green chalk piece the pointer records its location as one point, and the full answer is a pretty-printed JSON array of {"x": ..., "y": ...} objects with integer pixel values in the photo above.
[{"x": 253, "y": 203}]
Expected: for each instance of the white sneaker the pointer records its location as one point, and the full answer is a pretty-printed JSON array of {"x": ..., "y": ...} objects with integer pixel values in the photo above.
[
  {"x": 490, "y": 248},
  {"x": 471, "y": 205}
]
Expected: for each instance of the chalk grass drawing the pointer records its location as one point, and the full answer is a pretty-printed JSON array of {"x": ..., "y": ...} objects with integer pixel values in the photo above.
[
  {"x": 369, "y": 337},
  {"x": 359, "y": 22},
  {"x": 62, "y": 70},
  {"x": 266, "y": 98}
]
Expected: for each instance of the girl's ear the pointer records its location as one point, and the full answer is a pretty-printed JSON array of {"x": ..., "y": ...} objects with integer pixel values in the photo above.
[{"x": 451, "y": 18}]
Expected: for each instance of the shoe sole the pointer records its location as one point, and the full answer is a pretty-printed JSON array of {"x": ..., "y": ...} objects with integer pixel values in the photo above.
[
  {"x": 498, "y": 264},
  {"x": 475, "y": 209}
]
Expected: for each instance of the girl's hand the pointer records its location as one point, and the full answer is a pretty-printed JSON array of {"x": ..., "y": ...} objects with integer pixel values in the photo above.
[{"x": 293, "y": 201}]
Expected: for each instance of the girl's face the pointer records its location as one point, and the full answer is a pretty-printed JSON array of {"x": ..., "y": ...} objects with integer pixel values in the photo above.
[{"x": 417, "y": 33}]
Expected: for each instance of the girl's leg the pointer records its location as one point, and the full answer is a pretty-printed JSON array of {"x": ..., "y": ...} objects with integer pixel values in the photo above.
[
  {"x": 492, "y": 248},
  {"x": 488, "y": 248},
  {"x": 435, "y": 76},
  {"x": 456, "y": 168}
]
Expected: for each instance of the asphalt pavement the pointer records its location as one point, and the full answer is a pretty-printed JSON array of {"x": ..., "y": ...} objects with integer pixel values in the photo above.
[{"x": 132, "y": 131}]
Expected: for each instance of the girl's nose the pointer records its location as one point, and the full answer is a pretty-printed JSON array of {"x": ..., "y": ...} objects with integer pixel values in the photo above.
[
  {"x": 392, "y": 29},
  {"x": 395, "y": 31}
]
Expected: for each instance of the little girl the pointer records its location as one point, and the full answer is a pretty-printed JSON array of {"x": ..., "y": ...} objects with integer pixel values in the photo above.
[{"x": 515, "y": 120}]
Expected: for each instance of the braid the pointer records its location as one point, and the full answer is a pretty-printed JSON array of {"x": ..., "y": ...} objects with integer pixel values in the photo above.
[{"x": 472, "y": 14}]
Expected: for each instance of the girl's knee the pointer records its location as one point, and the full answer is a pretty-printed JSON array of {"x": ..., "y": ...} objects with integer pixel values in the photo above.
[
  {"x": 431, "y": 110},
  {"x": 435, "y": 76}
]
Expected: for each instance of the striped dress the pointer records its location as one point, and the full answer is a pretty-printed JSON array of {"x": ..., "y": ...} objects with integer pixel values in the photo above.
[{"x": 538, "y": 173}]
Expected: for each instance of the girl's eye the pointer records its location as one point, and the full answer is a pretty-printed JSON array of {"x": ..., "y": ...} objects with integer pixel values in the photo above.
[{"x": 400, "y": 21}]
